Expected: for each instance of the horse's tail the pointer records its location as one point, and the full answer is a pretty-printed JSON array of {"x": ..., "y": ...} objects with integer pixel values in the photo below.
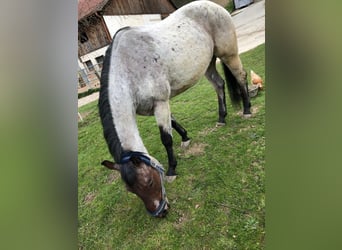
[{"x": 233, "y": 86}]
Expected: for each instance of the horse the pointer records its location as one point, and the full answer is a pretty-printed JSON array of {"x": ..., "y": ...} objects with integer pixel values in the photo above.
[{"x": 144, "y": 67}]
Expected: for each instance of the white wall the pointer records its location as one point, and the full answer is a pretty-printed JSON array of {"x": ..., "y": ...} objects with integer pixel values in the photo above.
[
  {"x": 91, "y": 56},
  {"x": 113, "y": 24},
  {"x": 116, "y": 22}
]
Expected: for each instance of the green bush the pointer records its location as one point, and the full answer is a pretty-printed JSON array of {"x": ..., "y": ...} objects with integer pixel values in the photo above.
[
  {"x": 230, "y": 6},
  {"x": 90, "y": 91}
]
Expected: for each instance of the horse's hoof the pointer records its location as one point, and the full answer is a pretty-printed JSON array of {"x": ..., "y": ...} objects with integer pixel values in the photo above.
[
  {"x": 170, "y": 179},
  {"x": 220, "y": 124},
  {"x": 247, "y": 115},
  {"x": 185, "y": 144}
]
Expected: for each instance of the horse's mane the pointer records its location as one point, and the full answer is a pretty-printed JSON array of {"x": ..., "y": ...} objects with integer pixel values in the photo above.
[
  {"x": 129, "y": 169},
  {"x": 109, "y": 131},
  {"x": 128, "y": 173}
]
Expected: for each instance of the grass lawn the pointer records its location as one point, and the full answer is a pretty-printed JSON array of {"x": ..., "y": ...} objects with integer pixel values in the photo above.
[{"x": 218, "y": 198}]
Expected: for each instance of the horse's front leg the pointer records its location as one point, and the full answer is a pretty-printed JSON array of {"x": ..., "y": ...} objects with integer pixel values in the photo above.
[
  {"x": 181, "y": 131},
  {"x": 163, "y": 117}
]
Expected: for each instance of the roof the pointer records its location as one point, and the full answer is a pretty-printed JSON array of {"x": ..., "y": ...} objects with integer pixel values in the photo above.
[{"x": 88, "y": 7}]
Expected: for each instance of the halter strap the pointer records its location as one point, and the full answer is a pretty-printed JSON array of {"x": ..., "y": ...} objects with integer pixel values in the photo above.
[{"x": 148, "y": 161}]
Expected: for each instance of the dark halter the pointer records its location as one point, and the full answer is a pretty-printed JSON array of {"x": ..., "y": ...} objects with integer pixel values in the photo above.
[{"x": 148, "y": 161}]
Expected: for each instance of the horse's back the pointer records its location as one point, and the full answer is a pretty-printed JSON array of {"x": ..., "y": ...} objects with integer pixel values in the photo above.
[
  {"x": 177, "y": 50},
  {"x": 163, "y": 54}
]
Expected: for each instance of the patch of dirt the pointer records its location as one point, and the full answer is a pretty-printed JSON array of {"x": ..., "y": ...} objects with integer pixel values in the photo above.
[
  {"x": 113, "y": 176},
  {"x": 207, "y": 131},
  {"x": 181, "y": 221},
  {"x": 247, "y": 128},
  {"x": 254, "y": 110},
  {"x": 195, "y": 149},
  {"x": 89, "y": 197}
]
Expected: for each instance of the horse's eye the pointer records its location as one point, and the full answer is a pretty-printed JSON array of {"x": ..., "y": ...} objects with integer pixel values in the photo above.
[{"x": 150, "y": 183}]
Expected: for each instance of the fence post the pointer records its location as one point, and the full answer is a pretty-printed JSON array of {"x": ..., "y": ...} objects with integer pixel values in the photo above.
[
  {"x": 79, "y": 116},
  {"x": 84, "y": 77}
]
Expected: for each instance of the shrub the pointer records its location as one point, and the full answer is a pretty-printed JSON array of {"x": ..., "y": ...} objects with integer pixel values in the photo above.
[{"x": 90, "y": 91}]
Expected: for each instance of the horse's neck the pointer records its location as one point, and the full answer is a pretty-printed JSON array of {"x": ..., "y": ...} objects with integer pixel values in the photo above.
[{"x": 124, "y": 118}]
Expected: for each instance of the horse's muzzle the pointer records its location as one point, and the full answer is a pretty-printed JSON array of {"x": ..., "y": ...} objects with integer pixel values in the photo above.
[
  {"x": 165, "y": 211},
  {"x": 162, "y": 210}
]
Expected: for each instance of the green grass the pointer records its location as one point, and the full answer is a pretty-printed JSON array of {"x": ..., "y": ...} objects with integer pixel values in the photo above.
[
  {"x": 218, "y": 198},
  {"x": 230, "y": 6}
]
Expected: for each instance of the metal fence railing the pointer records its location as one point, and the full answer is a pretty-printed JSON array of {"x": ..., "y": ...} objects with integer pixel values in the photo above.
[{"x": 89, "y": 78}]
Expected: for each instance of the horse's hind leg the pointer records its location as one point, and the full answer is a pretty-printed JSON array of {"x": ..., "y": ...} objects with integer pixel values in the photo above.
[
  {"x": 181, "y": 131},
  {"x": 218, "y": 83},
  {"x": 163, "y": 118},
  {"x": 236, "y": 78}
]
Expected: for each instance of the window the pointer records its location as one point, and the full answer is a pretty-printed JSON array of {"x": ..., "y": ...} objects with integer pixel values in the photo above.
[
  {"x": 83, "y": 37},
  {"x": 99, "y": 61},
  {"x": 90, "y": 65}
]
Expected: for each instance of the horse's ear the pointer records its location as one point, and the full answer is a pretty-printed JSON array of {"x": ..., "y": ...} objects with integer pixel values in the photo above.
[{"x": 111, "y": 165}]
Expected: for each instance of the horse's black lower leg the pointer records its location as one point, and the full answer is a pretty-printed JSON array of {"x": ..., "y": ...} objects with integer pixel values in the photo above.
[
  {"x": 222, "y": 106},
  {"x": 246, "y": 103},
  {"x": 180, "y": 130},
  {"x": 218, "y": 83},
  {"x": 166, "y": 139},
  {"x": 245, "y": 96}
]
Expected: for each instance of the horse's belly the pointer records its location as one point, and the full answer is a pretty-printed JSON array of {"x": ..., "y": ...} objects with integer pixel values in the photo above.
[
  {"x": 188, "y": 72},
  {"x": 177, "y": 89},
  {"x": 145, "y": 106}
]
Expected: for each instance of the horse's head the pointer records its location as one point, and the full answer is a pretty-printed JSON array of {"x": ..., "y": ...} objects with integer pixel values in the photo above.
[{"x": 144, "y": 177}]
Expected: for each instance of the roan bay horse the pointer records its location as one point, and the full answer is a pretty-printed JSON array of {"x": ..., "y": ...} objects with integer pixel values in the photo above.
[{"x": 146, "y": 66}]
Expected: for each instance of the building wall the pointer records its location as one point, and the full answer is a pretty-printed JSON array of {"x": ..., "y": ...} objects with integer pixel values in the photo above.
[
  {"x": 180, "y": 3},
  {"x": 91, "y": 56},
  {"x": 114, "y": 23},
  {"x": 95, "y": 32},
  {"x": 133, "y": 7},
  {"x": 223, "y": 3}
]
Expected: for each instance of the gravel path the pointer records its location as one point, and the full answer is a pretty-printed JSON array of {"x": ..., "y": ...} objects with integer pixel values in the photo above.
[
  {"x": 88, "y": 99},
  {"x": 250, "y": 26}
]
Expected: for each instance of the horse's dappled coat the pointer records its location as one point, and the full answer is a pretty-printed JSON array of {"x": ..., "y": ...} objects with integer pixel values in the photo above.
[{"x": 146, "y": 66}]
